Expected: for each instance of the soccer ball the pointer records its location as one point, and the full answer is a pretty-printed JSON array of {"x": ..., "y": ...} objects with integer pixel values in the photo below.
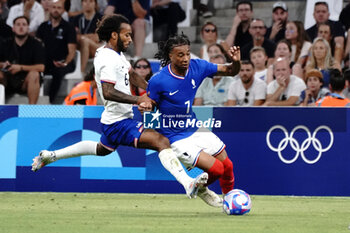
[{"x": 237, "y": 202}]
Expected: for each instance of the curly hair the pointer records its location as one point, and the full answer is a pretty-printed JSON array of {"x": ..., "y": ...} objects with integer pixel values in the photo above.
[
  {"x": 164, "y": 48},
  {"x": 109, "y": 24}
]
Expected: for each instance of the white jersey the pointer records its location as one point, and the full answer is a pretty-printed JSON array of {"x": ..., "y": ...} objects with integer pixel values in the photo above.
[{"x": 112, "y": 67}]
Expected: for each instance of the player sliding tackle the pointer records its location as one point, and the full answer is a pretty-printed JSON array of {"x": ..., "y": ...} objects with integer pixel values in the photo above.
[
  {"x": 174, "y": 89},
  {"x": 112, "y": 72}
]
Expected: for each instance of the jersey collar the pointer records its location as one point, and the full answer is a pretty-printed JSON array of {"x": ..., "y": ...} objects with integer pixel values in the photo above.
[{"x": 175, "y": 75}]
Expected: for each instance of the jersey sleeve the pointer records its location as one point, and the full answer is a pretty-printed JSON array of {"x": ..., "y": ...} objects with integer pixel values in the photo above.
[
  {"x": 153, "y": 89},
  {"x": 204, "y": 68}
]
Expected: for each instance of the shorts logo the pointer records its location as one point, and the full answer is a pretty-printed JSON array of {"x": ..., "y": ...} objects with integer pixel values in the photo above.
[
  {"x": 151, "y": 120},
  {"x": 299, "y": 148}
]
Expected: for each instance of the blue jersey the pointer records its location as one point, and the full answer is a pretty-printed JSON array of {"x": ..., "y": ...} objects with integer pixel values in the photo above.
[{"x": 174, "y": 95}]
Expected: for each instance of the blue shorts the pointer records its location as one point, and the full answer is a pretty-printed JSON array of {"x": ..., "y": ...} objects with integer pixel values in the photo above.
[{"x": 126, "y": 132}]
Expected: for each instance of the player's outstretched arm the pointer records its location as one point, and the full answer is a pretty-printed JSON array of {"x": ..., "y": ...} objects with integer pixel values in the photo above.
[
  {"x": 110, "y": 93},
  {"x": 137, "y": 80},
  {"x": 233, "y": 68}
]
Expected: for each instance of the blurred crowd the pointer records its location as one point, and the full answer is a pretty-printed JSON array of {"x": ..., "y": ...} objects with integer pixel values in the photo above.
[{"x": 283, "y": 64}]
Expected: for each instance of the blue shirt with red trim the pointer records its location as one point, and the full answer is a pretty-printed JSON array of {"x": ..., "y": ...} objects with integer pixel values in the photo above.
[{"x": 174, "y": 95}]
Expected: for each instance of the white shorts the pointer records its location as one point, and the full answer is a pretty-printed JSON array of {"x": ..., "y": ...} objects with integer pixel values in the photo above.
[{"x": 187, "y": 150}]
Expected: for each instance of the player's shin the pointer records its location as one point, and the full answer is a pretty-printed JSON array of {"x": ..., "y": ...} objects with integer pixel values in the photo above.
[
  {"x": 77, "y": 149},
  {"x": 215, "y": 172},
  {"x": 227, "y": 179},
  {"x": 171, "y": 163}
]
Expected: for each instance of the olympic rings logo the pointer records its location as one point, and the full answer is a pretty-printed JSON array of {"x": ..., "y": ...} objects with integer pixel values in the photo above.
[{"x": 299, "y": 149}]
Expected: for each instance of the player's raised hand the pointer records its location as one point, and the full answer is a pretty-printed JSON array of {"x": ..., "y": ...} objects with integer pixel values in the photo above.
[{"x": 235, "y": 53}]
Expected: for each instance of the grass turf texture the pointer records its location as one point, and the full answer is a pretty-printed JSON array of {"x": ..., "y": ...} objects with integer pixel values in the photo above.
[{"x": 80, "y": 212}]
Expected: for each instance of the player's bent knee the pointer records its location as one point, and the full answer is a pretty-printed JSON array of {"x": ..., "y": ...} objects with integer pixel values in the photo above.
[{"x": 102, "y": 151}]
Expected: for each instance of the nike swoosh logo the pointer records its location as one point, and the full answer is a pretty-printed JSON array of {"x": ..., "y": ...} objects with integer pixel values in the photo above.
[{"x": 173, "y": 93}]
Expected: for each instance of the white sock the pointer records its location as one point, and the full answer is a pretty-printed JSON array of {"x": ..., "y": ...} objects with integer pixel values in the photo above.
[
  {"x": 78, "y": 149},
  {"x": 171, "y": 163}
]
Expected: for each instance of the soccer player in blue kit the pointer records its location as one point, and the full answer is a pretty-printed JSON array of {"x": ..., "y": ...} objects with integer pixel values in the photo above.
[
  {"x": 174, "y": 88},
  {"x": 113, "y": 74}
]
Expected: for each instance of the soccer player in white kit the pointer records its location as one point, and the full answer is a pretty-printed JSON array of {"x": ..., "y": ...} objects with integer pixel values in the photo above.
[{"x": 112, "y": 73}]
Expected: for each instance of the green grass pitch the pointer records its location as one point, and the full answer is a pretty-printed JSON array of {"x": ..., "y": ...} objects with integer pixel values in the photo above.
[{"x": 133, "y": 213}]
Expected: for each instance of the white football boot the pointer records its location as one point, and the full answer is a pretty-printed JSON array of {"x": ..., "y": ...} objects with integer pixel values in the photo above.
[
  {"x": 198, "y": 182},
  {"x": 45, "y": 157},
  {"x": 210, "y": 197}
]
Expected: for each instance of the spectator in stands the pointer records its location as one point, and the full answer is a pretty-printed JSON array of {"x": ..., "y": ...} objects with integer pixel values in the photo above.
[
  {"x": 143, "y": 68},
  {"x": 4, "y": 10},
  {"x": 279, "y": 22},
  {"x": 46, "y": 6},
  {"x": 5, "y": 30},
  {"x": 259, "y": 59},
  {"x": 77, "y": 9},
  {"x": 59, "y": 38},
  {"x": 22, "y": 60},
  {"x": 239, "y": 34},
  {"x": 257, "y": 30},
  {"x": 336, "y": 98},
  {"x": 347, "y": 51},
  {"x": 85, "y": 27},
  {"x": 215, "y": 49},
  {"x": 321, "y": 15},
  {"x": 213, "y": 91},
  {"x": 284, "y": 50},
  {"x": 299, "y": 40},
  {"x": 314, "y": 90},
  {"x": 204, "y": 7},
  {"x": 84, "y": 93},
  {"x": 344, "y": 17},
  {"x": 209, "y": 35},
  {"x": 321, "y": 59},
  {"x": 286, "y": 88},
  {"x": 346, "y": 91},
  {"x": 29, "y": 8},
  {"x": 248, "y": 90},
  {"x": 324, "y": 31},
  {"x": 137, "y": 12},
  {"x": 166, "y": 15}
]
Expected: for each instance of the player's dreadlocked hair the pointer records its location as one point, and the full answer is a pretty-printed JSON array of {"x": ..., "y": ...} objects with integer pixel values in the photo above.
[
  {"x": 165, "y": 47},
  {"x": 109, "y": 24}
]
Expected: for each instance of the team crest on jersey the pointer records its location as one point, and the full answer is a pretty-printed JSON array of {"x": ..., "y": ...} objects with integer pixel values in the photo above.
[{"x": 193, "y": 84}]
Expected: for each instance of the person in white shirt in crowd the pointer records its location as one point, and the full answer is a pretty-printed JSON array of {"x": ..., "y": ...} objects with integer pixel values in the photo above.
[
  {"x": 248, "y": 90},
  {"x": 286, "y": 88},
  {"x": 259, "y": 59},
  {"x": 314, "y": 90},
  {"x": 32, "y": 10},
  {"x": 213, "y": 91}
]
